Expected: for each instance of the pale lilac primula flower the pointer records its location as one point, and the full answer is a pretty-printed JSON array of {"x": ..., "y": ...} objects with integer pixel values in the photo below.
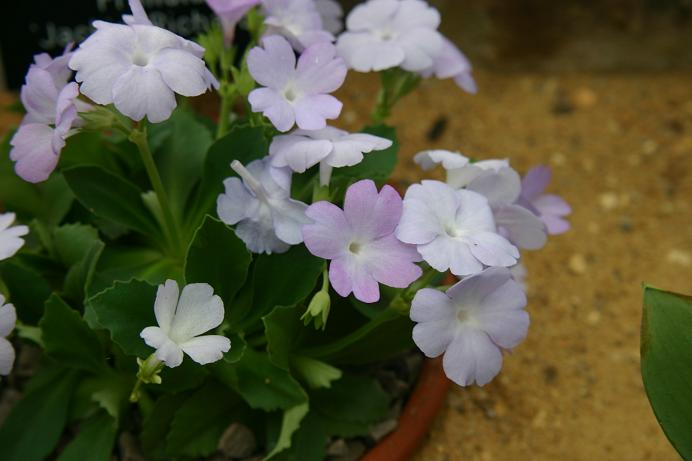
[
  {"x": 471, "y": 324},
  {"x": 140, "y": 67},
  {"x": 268, "y": 219},
  {"x": 330, "y": 147},
  {"x": 451, "y": 63},
  {"x": 296, "y": 93},
  {"x": 332, "y": 15},
  {"x": 382, "y": 34},
  {"x": 360, "y": 242},
  {"x": 8, "y": 319},
  {"x": 550, "y": 208},
  {"x": 520, "y": 274},
  {"x": 230, "y": 12},
  {"x": 501, "y": 185},
  {"x": 51, "y": 114},
  {"x": 299, "y": 21},
  {"x": 182, "y": 318},
  {"x": 453, "y": 229},
  {"x": 10, "y": 236}
]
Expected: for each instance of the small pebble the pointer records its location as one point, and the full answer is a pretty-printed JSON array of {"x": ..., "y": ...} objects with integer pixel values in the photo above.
[
  {"x": 584, "y": 98},
  {"x": 608, "y": 201},
  {"x": 577, "y": 264},
  {"x": 593, "y": 317},
  {"x": 679, "y": 257},
  {"x": 238, "y": 441}
]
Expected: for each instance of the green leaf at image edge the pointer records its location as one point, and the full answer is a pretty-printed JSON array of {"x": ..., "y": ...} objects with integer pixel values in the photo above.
[{"x": 666, "y": 363}]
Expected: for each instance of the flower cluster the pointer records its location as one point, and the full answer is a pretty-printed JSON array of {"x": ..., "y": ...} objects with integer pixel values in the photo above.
[{"x": 178, "y": 236}]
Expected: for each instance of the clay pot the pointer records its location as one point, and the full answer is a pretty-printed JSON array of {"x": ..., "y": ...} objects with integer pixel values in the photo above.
[{"x": 417, "y": 416}]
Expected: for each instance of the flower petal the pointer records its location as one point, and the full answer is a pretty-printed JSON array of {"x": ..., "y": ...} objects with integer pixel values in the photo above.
[
  {"x": 523, "y": 228},
  {"x": 166, "y": 303},
  {"x": 141, "y": 92},
  {"x": 199, "y": 310},
  {"x": 432, "y": 338},
  {"x": 274, "y": 107},
  {"x": 182, "y": 71},
  {"x": 493, "y": 250},
  {"x": 472, "y": 357},
  {"x": 7, "y": 356},
  {"x": 206, "y": 349},
  {"x": 319, "y": 71},
  {"x": 235, "y": 203},
  {"x": 330, "y": 234},
  {"x": 390, "y": 262},
  {"x": 273, "y": 64},
  {"x": 8, "y": 318},
  {"x": 311, "y": 112},
  {"x": 32, "y": 149}
]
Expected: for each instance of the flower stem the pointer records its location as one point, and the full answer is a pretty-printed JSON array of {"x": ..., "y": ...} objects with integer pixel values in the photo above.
[
  {"x": 148, "y": 373},
  {"x": 396, "y": 83},
  {"x": 139, "y": 138},
  {"x": 227, "y": 100}
]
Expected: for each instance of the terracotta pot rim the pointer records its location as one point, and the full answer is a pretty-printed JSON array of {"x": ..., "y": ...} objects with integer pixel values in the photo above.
[{"x": 416, "y": 418}]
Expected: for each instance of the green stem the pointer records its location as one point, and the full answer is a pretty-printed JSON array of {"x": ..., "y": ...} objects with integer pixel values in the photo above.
[
  {"x": 139, "y": 138},
  {"x": 226, "y": 106}
]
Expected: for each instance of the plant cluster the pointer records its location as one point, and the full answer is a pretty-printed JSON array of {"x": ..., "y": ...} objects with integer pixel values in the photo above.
[{"x": 180, "y": 274}]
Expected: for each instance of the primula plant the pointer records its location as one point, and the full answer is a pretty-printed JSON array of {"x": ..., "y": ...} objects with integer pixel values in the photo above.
[{"x": 182, "y": 275}]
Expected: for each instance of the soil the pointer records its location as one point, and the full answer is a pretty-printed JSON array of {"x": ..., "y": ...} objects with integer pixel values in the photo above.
[{"x": 620, "y": 145}]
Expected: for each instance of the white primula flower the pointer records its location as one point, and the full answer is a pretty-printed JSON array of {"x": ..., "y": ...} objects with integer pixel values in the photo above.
[
  {"x": 299, "y": 21},
  {"x": 388, "y": 33},
  {"x": 10, "y": 236},
  {"x": 330, "y": 147},
  {"x": 140, "y": 67},
  {"x": 8, "y": 319},
  {"x": 500, "y": 184},
  {"x": 453, "y": 229},
  {"x": 268, "y": 219},
  {"x": 471, "y": 324},
  {"x": 182, "y": 320}
]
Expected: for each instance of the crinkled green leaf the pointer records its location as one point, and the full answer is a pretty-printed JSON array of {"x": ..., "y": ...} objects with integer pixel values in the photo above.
[
  {"x": 125, "y": 310},
  {"x": 68, "y": 339},
  {"x": 278, "y": 279},
  {"x": 290, "y": 423},
  {"x": 119, "y": 263},
  {"x": 94, "y": 441},
  {"x": 180, "y": 157},
  {"x": 352, "y": 398},
  {"x": 666, "y": 363},
  {"x": 112, "y": 197},
  {"x": 200, "y": 421},
  {"x": 262, "y": 384},
  {"x": 218, "y": 257},
  {"x": 33, "y": 428},
  {"x": 157, "y": 424},
  {"x": 28, "y": 290}
]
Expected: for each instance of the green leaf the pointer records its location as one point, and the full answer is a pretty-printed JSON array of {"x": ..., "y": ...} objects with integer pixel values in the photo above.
[
  {"x": 278, "y": 279},
  {"x": 200, "y": 421},
  {"x": 289, "y": 425},
  {"x": 377, "y": 165},
  {"x": 309, "y": 442},
  {"x": 261, "y": 383},
  {"x": 353, "y": 399},
  {"x": 157, "y": 424},
  {"x": 217, "y": 257},
  {"x": 242, "y": 144},
  {"x": 34, "y": 426},
  {"x": 386, "y": 335},
  {"x": 314, "y": 373},
  {"x": 94, "y": 441},
  {"x": 118, "y": 263},
  {"x": 28, "y": 290},
  {"x": 666, "y": 363},
  {"x": 125, "y": 310},
  {"x": 68, "y": 339},
  {"x": 112, "y": 197},
  {"x": 180, "y": 158},
  {"x": 78, "y": 246},
  {"x": 283, "y": 329}
]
